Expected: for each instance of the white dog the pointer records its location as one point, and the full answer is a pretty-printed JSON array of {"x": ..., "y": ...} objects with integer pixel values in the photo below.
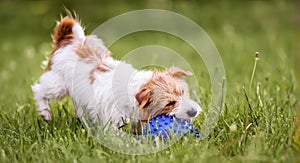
[{"x": 104, "y": 89}]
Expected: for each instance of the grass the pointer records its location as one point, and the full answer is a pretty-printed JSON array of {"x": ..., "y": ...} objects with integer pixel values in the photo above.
[{"x": 258, "y": 125}]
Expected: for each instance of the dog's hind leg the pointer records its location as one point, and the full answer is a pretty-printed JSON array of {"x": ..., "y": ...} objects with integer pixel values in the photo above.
[{"x": 50, "y": 87}]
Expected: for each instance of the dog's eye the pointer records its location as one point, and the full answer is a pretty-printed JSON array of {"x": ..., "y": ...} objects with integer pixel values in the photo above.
[{"x": 171, "y": 103}]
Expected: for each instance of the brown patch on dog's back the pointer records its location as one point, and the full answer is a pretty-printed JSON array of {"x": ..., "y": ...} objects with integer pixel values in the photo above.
[
  {"x": 92, "y": 47},
  {"x": 92, "y": 50},
  {"x": 101, "y": 67}
]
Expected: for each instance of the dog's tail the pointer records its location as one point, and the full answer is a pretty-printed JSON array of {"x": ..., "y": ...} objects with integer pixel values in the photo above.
[{"x": 66, "y": 30}]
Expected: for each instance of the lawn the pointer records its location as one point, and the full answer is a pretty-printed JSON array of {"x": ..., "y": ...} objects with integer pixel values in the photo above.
[{"x": 258, "y": 123}]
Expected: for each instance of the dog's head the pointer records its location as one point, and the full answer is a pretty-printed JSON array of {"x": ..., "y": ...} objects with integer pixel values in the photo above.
[{"x": 166, "y": 93}]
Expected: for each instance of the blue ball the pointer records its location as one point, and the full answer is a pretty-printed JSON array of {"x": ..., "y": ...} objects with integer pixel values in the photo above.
[{"x": 163, "y": 125}]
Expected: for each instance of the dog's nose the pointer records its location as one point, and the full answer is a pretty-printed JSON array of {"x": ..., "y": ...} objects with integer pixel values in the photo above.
[{"x": 191, "y": 113}]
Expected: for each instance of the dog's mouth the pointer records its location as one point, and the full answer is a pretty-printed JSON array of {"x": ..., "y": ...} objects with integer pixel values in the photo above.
[{"x": 182, "y": 118}]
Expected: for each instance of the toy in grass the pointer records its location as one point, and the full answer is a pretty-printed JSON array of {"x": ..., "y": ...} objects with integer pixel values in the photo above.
[{"x": 164, "y": 125}]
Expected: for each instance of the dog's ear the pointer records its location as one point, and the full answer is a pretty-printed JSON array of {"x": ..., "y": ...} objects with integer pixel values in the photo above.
[
  {"x": 177, "y": 72},
  {"x": 143, "y": 97}
]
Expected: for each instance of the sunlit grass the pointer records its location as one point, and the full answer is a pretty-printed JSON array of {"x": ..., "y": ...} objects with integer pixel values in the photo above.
[{"x": 261, "y": 128}]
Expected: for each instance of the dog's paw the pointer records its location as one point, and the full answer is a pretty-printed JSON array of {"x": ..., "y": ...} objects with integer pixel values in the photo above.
[{"x": 45, "y": 114}]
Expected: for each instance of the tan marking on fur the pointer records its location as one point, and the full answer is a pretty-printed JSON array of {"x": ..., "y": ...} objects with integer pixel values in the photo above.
[
  {"x": 62, "y": 36},
  {"x": 177, "y": 72},
  {"x": 168, "y": 110},
  {"x": 63, "y": 31},
  {"x": 91, "y": 76},
  {"x": 88, "y": 53},
  {"x": 86, "y": 50},
  {"x": 109, "y": 55},
  {"x": 163, "y": 87},
  {"x": 143, "y": 96},
  {"x": 102, "y": 67}
]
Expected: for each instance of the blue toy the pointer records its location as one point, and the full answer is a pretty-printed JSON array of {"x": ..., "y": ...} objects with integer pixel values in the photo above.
[{"x": 163, "y": 125}]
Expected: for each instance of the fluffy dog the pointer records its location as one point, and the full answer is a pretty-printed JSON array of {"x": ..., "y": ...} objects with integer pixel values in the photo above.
[{"x": 104, "y": 89}]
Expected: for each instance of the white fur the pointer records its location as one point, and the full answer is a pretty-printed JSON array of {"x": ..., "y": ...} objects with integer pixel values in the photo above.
[
  {"x": 69, "y": 75},
  {"x": 110, "y": 97},
  {"x": 78, "y": 31}
]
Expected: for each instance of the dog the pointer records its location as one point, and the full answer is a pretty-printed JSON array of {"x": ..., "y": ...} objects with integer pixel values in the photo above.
[{"x": 101, "y": 88}]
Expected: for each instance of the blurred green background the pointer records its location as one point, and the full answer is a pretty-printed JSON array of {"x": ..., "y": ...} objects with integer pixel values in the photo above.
[{"x": 238, "y": 29}]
